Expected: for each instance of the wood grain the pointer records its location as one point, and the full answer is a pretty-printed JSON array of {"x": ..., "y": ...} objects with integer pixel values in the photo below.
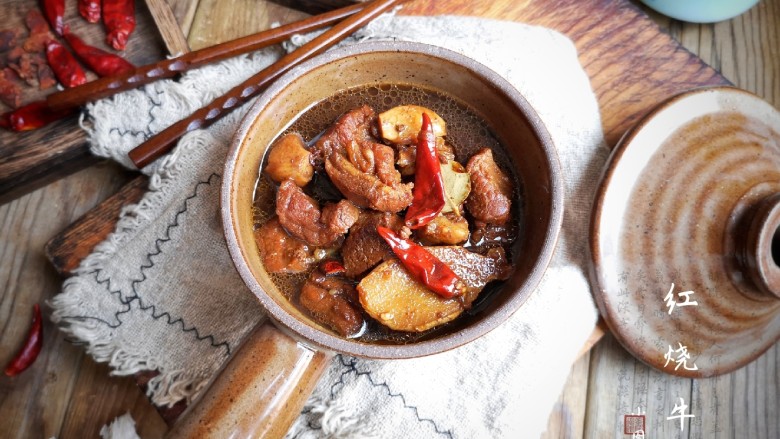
[
  {"x": 216, "y": 21},
  {"x": 169, "y": 28},
  {"x": 184, "y": 11},
  {"x": 188, "y": 60},
  {"x": 105, "y": 397},
  {"x": 314, "y": 6},
  {"x": 747, "y": 46},
  {"x": 567, "y": 419},
  {"x": 30, "y": 160},
  {"x": 630, "y": 63},
  {"x": 746, "y": 49},
  {"x": 161, "y": 143},
  {"x": 36, "y": 402},
  {"x": 740, "y": 404},
  {"x": 569, "y": 408},
  {"x": 70, "y": 246}
]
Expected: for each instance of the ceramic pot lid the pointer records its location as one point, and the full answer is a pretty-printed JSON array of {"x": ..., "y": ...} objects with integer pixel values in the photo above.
[{"x": 685, "y": 237}]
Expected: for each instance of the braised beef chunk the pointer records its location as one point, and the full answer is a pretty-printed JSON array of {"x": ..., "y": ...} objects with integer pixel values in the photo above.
[
  {"x": 486, "y": 236},
  {"x": 332, "y": 301},
  {"x": 353, "y": 126},
  {"x": 301, "y": 216},
  {"x": 360, "y": 167},
  {"x": 282, "y": 253},
  {"x": 351, "y": 183},
  {"x": 490, "y": 199},
  {"x": 364, "y": 248}
]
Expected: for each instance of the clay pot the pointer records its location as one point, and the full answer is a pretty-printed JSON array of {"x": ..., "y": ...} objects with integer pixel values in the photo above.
[{"x": 513, "y": 122}]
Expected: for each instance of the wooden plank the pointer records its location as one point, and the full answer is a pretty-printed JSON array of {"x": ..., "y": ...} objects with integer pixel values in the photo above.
[
  {"x": 631, "y": 64},
  {"x": 66, "y": 250},
  {"x": 745, "y": 402},
  {"x": 33, "y": 159},
  {"x": 741, "y": 404},
  {"x": 69, "y": 247},
  {"x": 567, "y": 419},
  {"x": 105, "y": 397},
  {"x": 35, "y": 403},
  {"x": 217, "y": 21},
  {"x": 184, "y": 11},
  {"x": 742, "y": 49},
  {"x": 314, "y": 6},
  {"x": 166, "y": 22},
  {"x": 29, "y": 160},
  {"x": 497, "y": 11},
  {"x": 627, "y": 387}
]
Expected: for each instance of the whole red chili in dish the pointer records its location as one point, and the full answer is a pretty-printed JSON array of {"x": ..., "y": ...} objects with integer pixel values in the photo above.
[
  {"x": 32, "y": 346},
  {"x": 90, "y": 10},
  {"x": 423, "y": 266},
  {"x": 31, "y": 116},
  {"x": 55, "y": 13},
  {"x": 99, "y": 61},
  {"x": 64, "y": 64},
  {"x": 428, "y": 197},
  {"x": 119, "y": 19}
]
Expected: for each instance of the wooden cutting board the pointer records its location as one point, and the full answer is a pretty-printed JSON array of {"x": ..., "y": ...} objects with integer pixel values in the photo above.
[
  {"x": 631, "y": 63},
  {"x": 29, "y": 160}
]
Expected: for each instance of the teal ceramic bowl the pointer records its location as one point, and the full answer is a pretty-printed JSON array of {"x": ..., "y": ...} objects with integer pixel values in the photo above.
[{"x": 701, "y": 11}]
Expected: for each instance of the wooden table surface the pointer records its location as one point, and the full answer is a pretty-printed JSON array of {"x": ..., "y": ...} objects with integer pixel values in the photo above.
[{"x": 67, "y": 395}]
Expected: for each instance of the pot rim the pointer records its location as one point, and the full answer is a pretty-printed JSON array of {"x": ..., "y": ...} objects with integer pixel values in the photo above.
[{"x": 323, "y": 340}]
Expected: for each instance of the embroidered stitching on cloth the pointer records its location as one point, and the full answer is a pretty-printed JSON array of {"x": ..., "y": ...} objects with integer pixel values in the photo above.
[{"x": 161, "y": 293}]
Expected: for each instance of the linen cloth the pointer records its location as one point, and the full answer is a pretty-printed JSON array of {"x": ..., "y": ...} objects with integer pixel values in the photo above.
[{"x": 161, "y": 292}]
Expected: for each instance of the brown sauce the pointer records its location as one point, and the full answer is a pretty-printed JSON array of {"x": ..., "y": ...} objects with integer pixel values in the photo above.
[{"x": 466, "y": 132}]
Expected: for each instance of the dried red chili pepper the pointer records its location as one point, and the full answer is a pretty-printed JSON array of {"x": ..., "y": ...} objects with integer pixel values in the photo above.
[
  {"x": 32, "y": 346},
  {"x": 66, "y": 68},
  {"x": 332, "y": 267},
  {"x": 55, "y": 13},
  {"x": 428, "y": 197},
  {"x": 90, "y": 10},
  {"x": 423, "y": 266},
  {"x": 119, "y": 19},
  {"x": 99, "y": 61},
  {"x": 31, "y": 116}
]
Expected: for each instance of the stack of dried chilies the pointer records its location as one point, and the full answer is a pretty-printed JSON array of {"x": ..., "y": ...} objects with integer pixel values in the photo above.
[
  {"x": 57, "y": 61},
  {"x": 67, "y": 101},
  {"x": 126, "y": 77}
]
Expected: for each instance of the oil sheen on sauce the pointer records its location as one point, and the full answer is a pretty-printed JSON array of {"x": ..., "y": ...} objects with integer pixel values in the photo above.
[{"x": 466, "y": 132}]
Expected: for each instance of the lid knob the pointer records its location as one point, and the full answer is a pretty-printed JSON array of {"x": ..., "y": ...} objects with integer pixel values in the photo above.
[{"x": 762, "y": 247}]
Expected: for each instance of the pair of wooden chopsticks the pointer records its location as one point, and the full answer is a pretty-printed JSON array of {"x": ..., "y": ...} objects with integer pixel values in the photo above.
[{"x": 353, "y": 17}]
